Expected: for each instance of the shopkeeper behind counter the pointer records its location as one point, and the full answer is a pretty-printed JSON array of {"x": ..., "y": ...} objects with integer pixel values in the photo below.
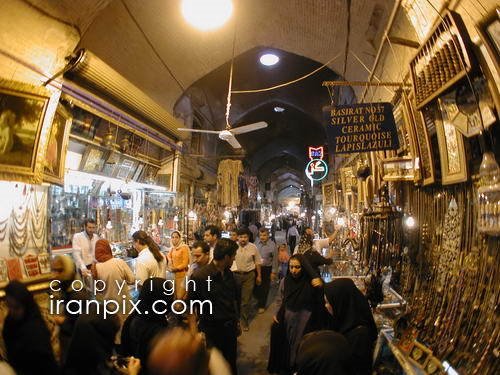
[{"x": 84, "y": 247}]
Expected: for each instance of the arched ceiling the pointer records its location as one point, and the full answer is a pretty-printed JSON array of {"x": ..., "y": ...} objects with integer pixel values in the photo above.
[
  {"x": 157, "y": 50},
  {"x": 115, "y": 31}
]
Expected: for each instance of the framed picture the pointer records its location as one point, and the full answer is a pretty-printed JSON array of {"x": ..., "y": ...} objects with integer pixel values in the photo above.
[
  {"x": 407, "y": 138},
  {"x": 398, "y": 169},
  {"x": 57, "y": 144},
  {"x": 425, "y": 160},
  {"x": 490, "y": 27},
  {"x": 93, "y": 160},
  {"x": 451, "y": 148},
  {"x": 328, "y": 194},
  {"x": 489, "y": 45},
  {"x": 22, "y": 112},
  {"x": 138, "y": 172},
  {"x": 44, "y": 263},
  {"x": 126, "y": 168},
  {"x": 149, "y": 174},
  {"x": 31, "y": 266}
]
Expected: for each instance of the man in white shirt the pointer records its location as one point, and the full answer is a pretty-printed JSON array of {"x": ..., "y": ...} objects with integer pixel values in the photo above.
[
  {"x": 84, "y": 247},
  {"x": 246, "y": 265},
  {"x": 211, "y": 235}
]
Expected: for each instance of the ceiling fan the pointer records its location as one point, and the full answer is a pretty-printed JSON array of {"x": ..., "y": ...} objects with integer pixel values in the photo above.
[{"x": 229, "y": 133}]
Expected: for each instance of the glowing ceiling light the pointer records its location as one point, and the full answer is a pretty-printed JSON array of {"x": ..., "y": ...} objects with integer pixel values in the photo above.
[
  {"x": 207, "y": 14},
  {"x": 410, "y": 222},
  {"x": 269, "y": 59},
  {"x": 279, "y": 109}
]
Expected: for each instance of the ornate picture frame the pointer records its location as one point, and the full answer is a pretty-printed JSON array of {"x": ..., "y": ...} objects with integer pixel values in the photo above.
[
  {"x": 93, "y": 160},
  {"x": 451, "y": 148},
  {"x": 126, "y": 168},
  {"x": 23, "y": 109},
  {"x": 426, "y": 160},
  {"x": 398, "y": 169},
  {"x": 489, "y": 33},
  {"x": 407, "y": 140},
  {"x": 328, "y": 194},
  {"x": 57, "y": 145}
]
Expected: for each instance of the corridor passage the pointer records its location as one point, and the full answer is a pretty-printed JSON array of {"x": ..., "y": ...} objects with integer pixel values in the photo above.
[{"x": 253, "y": 348}]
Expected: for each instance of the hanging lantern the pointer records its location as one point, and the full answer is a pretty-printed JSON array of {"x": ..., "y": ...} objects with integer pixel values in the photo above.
[{"x": 489, "y": 196}]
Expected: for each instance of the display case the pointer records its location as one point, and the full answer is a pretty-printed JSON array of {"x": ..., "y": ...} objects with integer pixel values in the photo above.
[{"x": 119, "y": 208}]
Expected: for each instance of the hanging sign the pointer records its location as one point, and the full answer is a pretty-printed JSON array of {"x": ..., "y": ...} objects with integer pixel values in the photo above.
[
  {"x": 316, "y": 152},
  {"x": 361, "y": 128},
  {"x": 316, "y": 169}
]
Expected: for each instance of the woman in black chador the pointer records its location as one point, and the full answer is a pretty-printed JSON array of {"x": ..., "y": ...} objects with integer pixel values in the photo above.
[
  {"x": 26, "y": 336},
  {"x": 353, "y": 318},
  {"x": 296, "y": 316}
]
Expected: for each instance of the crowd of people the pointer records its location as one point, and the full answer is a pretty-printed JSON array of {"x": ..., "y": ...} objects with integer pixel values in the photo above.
[{"x": 318, "y": 328}]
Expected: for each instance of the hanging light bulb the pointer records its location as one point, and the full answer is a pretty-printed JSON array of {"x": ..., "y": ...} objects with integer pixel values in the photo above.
[{"x": 410, "y": 222}]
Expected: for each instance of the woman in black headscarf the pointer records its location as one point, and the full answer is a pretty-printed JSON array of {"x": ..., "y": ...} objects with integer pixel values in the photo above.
[
  {"x": 26, "y": 336},
  {"x": 314, "y": 258},
  {"x": 353, "y": 318},
  {"x": 91, "y": 345},
  {"x": 324, "y": 352},
  {"x": 139, "y": 330},
  {"x": 295, "y": 317}
]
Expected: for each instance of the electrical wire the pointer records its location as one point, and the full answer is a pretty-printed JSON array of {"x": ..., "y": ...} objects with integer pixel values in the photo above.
[
  {"x": 289, "y": 82},
  {"x": 152, "y": 46},
  {"x": 348, "y": 35},
  {"x": 228, "y": 105}
]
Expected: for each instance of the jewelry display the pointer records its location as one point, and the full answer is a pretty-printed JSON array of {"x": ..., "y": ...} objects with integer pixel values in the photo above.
[
  {"x": 18, "y": 232},
  {"x": 449, "y": 276}
]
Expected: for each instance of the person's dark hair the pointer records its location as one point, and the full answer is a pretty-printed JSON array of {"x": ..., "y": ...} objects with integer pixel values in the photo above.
[
  {"x": 18, "y": 291},
  {"x": 144, "y": 239},
  {"x": 203, "y": 245},
  {"x": 89, "y": 221},
  {"x": 263, "y": 230},
  {"x": 350, "y": 307},
  {"x": 214, "y": 230},
  {"x": 324, "y": 352},
  {"x": 153, "y": 290},
  {"x": 243, "y": 231},
  {"x": 224, "y": 247}
]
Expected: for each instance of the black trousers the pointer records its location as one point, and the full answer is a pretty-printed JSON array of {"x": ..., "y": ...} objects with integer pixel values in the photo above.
[
  {"x": 292, "y": 241},
  {"x": 262, "y": 290},
  {"x": 223, "y": 336}
]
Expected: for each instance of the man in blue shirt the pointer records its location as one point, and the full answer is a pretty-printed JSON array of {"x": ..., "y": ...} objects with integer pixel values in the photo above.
[{"x": 269, "y": 268}]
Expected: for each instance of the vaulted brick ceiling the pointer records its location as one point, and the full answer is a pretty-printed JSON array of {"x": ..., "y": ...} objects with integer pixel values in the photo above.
[{"x": 306, "y": 33}]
